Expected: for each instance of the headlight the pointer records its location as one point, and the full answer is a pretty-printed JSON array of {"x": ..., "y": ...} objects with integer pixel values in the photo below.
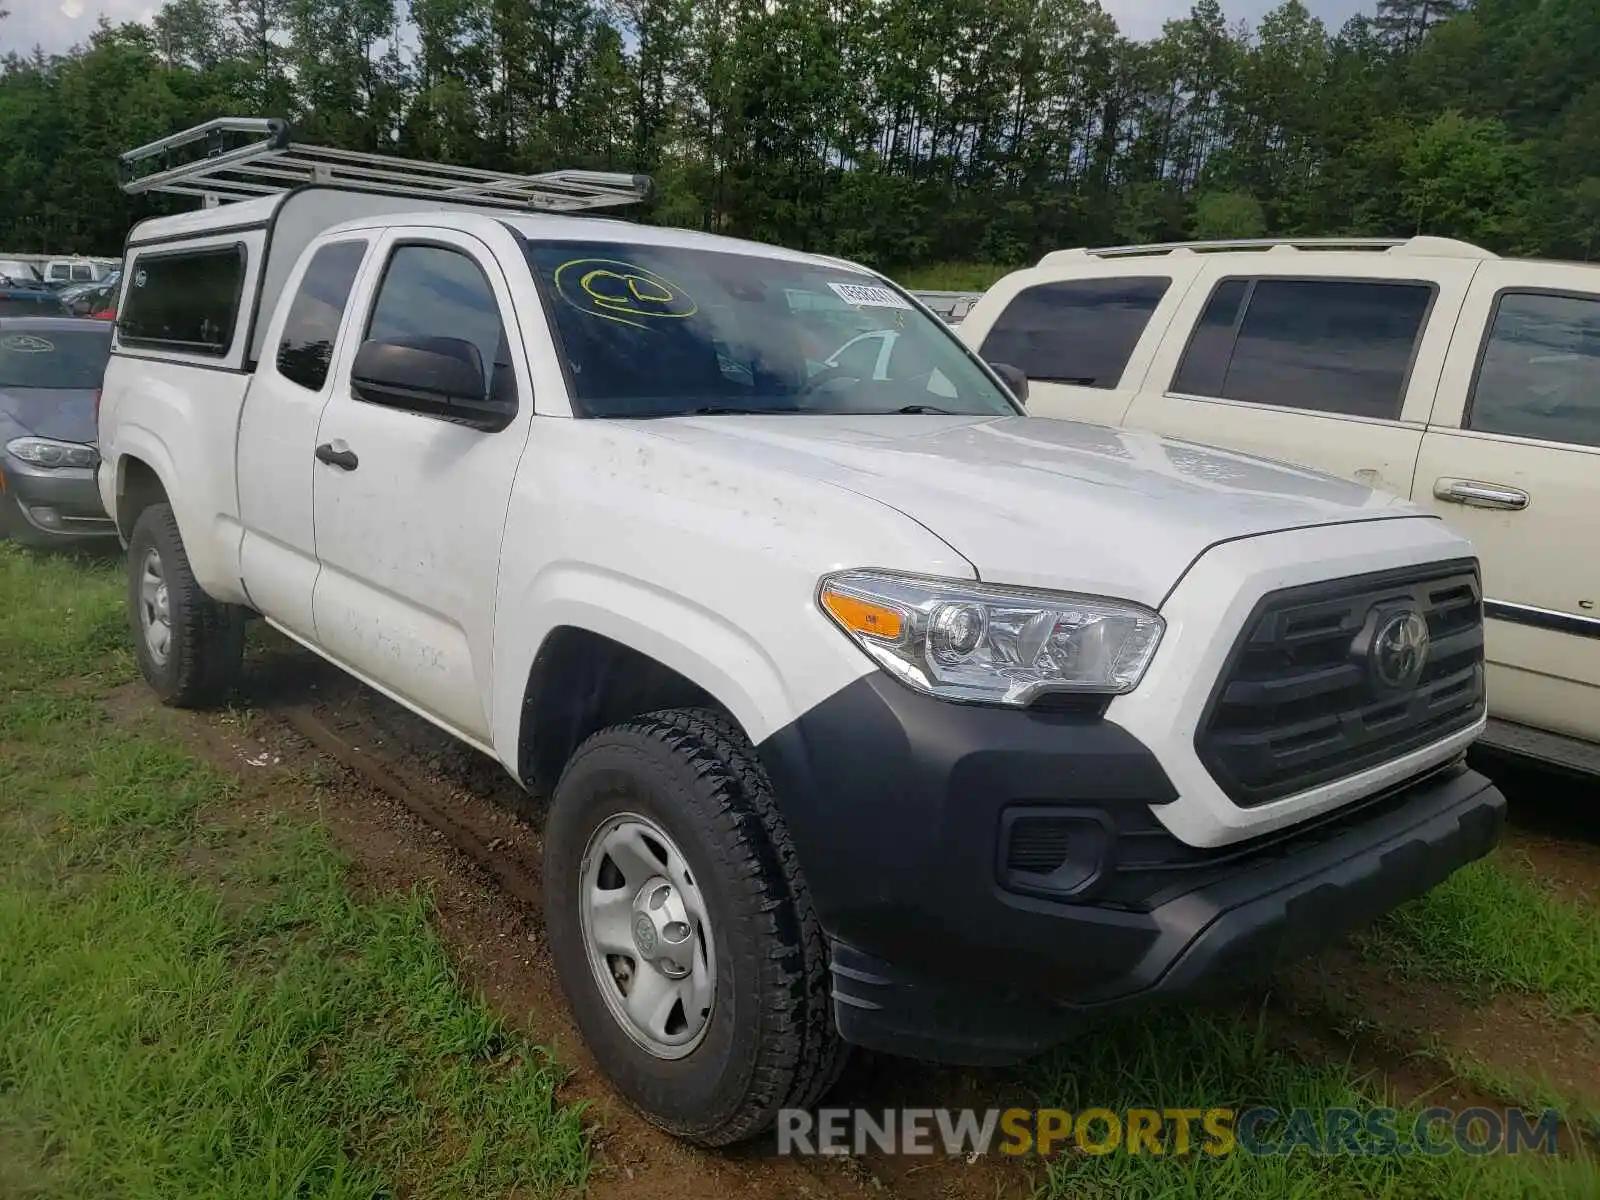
[
  {"x": 967, "y": 641},
  {"x": 47, "y": 452}
]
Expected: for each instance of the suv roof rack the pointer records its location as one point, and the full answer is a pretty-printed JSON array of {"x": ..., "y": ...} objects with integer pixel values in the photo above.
[
  {"x": 244, "y": 158},
  {"x": 1431, "y": 247}
]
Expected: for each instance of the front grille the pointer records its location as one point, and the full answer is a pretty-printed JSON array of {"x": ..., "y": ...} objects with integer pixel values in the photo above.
[{"x": 1299, "y": 703}]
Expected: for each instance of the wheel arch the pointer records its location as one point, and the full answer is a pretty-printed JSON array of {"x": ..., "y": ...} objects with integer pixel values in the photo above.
[
  {"x": 581, "y": 682},
  {"x": 138, "y": 485},
  {"x": 575, "y": 662}
]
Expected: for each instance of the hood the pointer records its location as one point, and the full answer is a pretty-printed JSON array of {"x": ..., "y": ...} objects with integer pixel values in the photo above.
[
  {"x": 66, "y": 414},
  {"x": 1045, "y": 503}
]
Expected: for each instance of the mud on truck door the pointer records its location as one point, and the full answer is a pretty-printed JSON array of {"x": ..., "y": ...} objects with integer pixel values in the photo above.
[{"x": 413, "y": 463}]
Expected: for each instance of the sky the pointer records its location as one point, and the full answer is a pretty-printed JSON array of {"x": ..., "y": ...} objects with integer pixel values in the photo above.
[{"x": 58, "y": 24}]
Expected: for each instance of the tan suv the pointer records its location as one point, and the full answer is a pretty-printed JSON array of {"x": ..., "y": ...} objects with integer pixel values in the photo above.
[{"x": 1428, "y": 367}]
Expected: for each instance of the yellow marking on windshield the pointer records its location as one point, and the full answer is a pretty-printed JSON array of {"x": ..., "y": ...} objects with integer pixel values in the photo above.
[{"x": 621, "y": 291}]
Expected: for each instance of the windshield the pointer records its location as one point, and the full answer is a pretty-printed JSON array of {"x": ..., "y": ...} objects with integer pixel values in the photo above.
[
  {"x": 661, "y": 331},
  {"x": 54, "y": 358}
]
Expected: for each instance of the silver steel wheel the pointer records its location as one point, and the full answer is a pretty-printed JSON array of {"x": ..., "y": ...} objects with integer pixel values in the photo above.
[
  {"x": 647, "y": 935},
  {"x": 155, "y": 615}
]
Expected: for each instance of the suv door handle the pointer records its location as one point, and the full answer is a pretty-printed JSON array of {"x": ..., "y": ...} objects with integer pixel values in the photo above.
[
  {"x": 338, "y": 455},
  {"x": 1480, "y": 495}
]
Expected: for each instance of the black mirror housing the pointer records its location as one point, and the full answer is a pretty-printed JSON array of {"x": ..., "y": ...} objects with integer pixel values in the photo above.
[
  {"x": 436, "y": 376},
  {"x": 1013, "y": 378}
]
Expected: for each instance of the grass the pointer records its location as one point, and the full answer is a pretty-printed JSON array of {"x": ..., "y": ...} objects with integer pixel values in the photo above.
[
  {"x": 60, "y": 617},
  {"x": 951, "y": 277},
  {"x": 1534, "y": 1092},
  {"x": 1205, "y": 1061},
  {"x": 192, "y": 1001},
  {"x": 1490, "y": 928}
]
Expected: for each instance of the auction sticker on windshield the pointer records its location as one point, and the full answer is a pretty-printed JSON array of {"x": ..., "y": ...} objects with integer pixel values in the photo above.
[{"x": 864, "y": 295}]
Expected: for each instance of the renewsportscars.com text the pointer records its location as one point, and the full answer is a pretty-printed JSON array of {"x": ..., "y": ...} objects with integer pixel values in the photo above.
[{"x": 1168, "y": 1131}]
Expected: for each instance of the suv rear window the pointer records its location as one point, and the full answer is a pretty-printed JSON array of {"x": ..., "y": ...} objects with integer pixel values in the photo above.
[
  {"x": 1540, "y": 369},
  {"x": 1078, "y": 332},
  {"x": 186, "y": 300},
  {"x": 1328, "y": 345}
]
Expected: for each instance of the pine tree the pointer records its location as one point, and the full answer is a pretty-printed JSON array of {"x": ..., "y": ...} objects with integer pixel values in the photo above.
[{"x": 1404, "y": 23}]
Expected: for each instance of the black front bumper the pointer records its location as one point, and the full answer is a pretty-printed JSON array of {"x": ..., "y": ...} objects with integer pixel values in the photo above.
[{"x": 901, "y": 807}]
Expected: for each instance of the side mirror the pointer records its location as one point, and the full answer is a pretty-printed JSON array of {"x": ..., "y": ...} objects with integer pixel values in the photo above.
[
  {"x": 1013, "y": 379},
  {"x": 438, "y": 376}
]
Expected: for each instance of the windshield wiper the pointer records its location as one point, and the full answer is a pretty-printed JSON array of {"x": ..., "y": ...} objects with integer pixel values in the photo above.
[
  {"x": 717, "y": 410},
  {"x": 915, "y": 410}
]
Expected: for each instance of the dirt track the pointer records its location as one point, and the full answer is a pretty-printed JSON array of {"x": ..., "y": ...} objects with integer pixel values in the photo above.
[{"x": 410, "y": 806}]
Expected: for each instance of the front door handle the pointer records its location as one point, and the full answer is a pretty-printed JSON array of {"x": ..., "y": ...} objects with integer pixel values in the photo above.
[
  {"x": 337, "y": 454},
  {"x": 1480, "y": 495}
]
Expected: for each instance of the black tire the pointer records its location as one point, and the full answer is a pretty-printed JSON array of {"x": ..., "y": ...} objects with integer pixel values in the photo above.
[
  {"x": 771, "y": 1042},
  {"x": 206, "y": 651}
]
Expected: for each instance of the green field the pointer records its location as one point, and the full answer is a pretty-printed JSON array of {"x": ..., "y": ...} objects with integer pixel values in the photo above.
[
  {"x": 951, "y": 277},
  {"x": 192, "y": 1002}
]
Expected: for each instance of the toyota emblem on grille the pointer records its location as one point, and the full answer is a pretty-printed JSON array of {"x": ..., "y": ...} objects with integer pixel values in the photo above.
[{"x": 1400, "y": 650}]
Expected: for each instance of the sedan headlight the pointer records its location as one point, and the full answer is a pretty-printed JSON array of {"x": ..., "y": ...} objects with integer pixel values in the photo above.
[
  {"x": 968, "y": 641},
  {"x": 48, "y": 452}
]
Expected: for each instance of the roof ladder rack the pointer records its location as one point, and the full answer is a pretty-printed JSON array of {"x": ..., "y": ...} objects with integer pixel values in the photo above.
[
  {"x": 1417, "y": 246},
  {"x": 244, "y": 158}
]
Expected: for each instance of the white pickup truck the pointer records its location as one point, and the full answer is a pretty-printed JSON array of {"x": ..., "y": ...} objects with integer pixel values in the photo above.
[{"x": 871, "y": 710}]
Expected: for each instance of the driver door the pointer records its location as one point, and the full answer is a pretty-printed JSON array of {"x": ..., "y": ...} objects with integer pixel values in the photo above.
[{"x": 410, "y": 505}]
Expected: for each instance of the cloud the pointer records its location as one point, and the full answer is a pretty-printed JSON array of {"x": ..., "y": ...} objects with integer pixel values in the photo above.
[
  {"x": 1142, "y": 19},
  {"x": 58, "y": 25}
]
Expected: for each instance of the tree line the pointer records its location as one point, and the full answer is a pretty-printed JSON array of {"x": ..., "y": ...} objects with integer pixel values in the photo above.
[{"x": 898, "y": 132}]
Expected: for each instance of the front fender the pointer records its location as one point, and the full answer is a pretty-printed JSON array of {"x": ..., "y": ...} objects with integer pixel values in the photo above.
[{"x": 708, "y": 648}]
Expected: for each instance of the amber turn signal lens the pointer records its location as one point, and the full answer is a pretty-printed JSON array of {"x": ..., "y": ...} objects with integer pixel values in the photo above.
[{"x": 862, "y": 616}]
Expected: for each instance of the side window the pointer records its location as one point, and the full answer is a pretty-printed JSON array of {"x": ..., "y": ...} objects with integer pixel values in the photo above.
[
  {"x": 1327, "y": 345},
  {"x": 1081, "y": 332},
  {"x": 312, "y": 325},
  {"x": 186, "y": 301},
  {"x": 431, "y": 291},
  {"x": 1540, "y": 375},
  {"x": 82, "y": 273},
  {"x": 1204, "y": 369}
]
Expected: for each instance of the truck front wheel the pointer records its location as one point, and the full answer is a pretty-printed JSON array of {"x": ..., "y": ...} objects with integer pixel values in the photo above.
[
  {"x": 683, "y": 932},
  {"x": 190, "y": 647}
]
